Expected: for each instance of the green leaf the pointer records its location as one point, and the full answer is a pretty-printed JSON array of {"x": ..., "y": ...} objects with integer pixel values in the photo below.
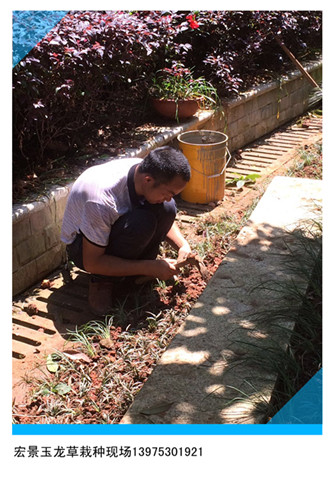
[
  {"x": 241, "y": 180},
  {"x": 252, "y": 177},
  {"x": 45, "y": 392},
  {"x": 62, "y": 389},
  {"x": 51, "y": 364}
]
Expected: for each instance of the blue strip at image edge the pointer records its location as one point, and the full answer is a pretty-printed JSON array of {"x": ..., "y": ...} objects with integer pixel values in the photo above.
[
  {"x": 26, "y": 35},
  {"x": 165, "y": 429}
]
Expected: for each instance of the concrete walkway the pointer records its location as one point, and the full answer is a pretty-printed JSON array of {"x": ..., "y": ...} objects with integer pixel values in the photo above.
[{"x": 201, "y": 379}]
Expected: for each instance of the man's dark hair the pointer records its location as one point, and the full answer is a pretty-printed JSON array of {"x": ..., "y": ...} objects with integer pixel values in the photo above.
[{"x": 164, "y": 163}]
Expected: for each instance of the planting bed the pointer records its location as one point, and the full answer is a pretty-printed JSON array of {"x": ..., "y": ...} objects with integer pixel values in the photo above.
[
  {"x": 123, "y": 348},
  {"x": 95, "y": 376}
]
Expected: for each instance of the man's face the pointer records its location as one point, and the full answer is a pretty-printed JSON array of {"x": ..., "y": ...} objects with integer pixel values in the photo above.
[{"x": 158, "y": 193}]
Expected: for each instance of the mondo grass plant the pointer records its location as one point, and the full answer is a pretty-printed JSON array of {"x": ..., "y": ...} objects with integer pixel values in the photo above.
[{"x": 179, "y": 84}]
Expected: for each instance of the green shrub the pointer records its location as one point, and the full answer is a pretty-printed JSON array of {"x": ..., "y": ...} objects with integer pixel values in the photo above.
[{"x": 82, "y": 70}]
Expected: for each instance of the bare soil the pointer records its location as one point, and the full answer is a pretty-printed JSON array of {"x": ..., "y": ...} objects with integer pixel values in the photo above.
[{"x": 103, "y": 382}]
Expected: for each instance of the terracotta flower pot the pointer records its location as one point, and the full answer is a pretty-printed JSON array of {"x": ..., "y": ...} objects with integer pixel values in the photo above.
[{"x": 167, "y": 107}]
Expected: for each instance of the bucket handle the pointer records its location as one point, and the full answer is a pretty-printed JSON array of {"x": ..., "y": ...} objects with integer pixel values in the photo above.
[
  {"x": 221, "y": 173},
  {"x": 224, "y": 168}
]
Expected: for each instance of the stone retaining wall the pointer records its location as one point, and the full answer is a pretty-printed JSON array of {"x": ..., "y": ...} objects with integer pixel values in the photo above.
[
  {"x": 37, "y": 249},
  {"x": 268, "y": 106}
]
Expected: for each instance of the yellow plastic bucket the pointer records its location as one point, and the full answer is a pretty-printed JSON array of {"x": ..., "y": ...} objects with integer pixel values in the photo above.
[{"x": 206, "y": 151}]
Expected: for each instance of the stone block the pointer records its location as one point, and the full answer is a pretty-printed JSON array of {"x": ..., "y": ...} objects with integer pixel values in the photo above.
[
  {"x": 298, "y": 96},
  {"x": 21, "y": 230},
  {"x": 295, "y": 84},
  {"x": 51, "y": 235},
  {"x": 30, "y": 249},
  {"x": 285, "y": 116},
  {"x": 243, "y": 109},
  {"x": 299, "y": 108},
  {"x": 52, "y": 206},
  {"x": 238, "y": 126},
  {"x": 267, "y": 98},
  {"x": 254, "y": 117},
  {"x": 272, "y": 123},
  {"x": 285, "y": 102},
  {"x": 24, "y": 277},
  {"x": 15, "y": 261},
  {"x": 50, "y": 260},
  {"x": 250, "y": 135},
  {"x": 41, "y": 218},
  {"x": 236, "y": 142},
  {"x": 60, "y": 203},
  {"x": 261, "y": 129}
]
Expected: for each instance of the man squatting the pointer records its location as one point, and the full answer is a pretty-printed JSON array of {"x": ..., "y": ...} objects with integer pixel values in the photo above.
[{"x": 116, "y": 217}]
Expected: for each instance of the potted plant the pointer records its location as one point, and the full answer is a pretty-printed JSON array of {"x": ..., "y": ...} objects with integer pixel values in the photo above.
[{"x": 175, "y": 93}]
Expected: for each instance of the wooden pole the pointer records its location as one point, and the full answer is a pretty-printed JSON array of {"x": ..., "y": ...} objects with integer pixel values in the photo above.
[{"x": 296, "y": 62}]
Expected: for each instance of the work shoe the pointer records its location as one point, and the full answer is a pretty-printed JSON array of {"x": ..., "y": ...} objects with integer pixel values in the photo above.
[{"x": 100, "y": 295}]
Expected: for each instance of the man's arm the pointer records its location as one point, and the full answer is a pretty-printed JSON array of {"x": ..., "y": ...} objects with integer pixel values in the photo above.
[
  {"x": 176, "y": 239},
  {"x": 96, "y": 261}
]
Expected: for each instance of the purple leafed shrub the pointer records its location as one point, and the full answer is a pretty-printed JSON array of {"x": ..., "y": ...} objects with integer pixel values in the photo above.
[{"x": 85, "y": 70}]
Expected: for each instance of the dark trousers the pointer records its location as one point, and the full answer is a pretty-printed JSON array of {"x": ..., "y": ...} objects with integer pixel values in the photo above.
[{"x": 136, "y": 235}]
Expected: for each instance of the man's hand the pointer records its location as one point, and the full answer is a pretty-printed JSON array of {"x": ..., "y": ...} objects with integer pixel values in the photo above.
[
  {"x": 175, "y": 238},
  {"x": 184, "y": 252},
  {"x": 165, "y": 269}
]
